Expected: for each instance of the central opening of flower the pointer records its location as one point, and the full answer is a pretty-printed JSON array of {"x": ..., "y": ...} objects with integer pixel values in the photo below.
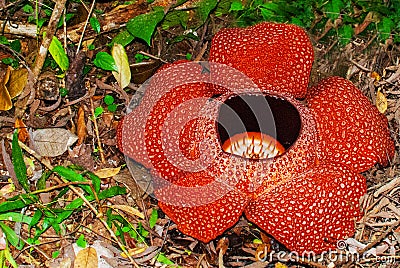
[{"x": 258, "y": 126}]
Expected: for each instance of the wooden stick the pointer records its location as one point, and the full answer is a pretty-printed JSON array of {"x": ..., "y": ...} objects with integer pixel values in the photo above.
[{"x": 51, "y": 29}]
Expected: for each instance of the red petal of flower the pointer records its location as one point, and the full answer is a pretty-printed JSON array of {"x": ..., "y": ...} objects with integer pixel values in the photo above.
[
  {"x": 206, "y": 222},
  {"x": 277, "y": 57},
  {"x": 352, "y": 131},
  {"x": 313, "y": 211},
  {"x": 139, "y": 133}
]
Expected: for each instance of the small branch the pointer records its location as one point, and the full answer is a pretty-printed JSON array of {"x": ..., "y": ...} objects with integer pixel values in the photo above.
[
  {"x": 388, "y": 186},
  {"x": 51, "y": 29},
  {"x": 360, "y": 66},
  {"x": 49, "y": 189},
  {"x": 84, "y": 28},
  {"x": 152, "y": 56},
  {"x": 202, "y": 51},
  {"x": 96, "y": 130}
]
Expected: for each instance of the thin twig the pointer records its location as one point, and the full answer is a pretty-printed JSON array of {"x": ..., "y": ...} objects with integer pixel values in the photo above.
[
  {"x": 36, "y": 248},
  {"x": 84, "y": 28},
  {"x": 49, "y": 189},
  {"x": 152, "y": 56},
  {"x": 51, "y": 29},
  {"x": 96, "y": 130},
  {"x": 202, "y": 51},
  {"x": 359, "y": 66}
]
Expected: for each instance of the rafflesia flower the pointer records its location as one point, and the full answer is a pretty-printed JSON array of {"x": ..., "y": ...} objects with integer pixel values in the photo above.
[{"x": 243, "y": 133}]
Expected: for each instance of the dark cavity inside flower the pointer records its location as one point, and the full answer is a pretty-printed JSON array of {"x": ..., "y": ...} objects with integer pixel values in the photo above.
[{"x": 258, "y": 126}]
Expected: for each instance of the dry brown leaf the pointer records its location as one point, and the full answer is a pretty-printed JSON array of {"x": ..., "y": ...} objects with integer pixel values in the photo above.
[
  {"x": 53, "y": 141},
  {"x": 86, "y": 258},
  {"x": 129, "y": 210},
  {"x": 123, "y": 76},
  {"x": 11, "y": 85},
  {"x": 5, "y": 98},
  {"x": 144, "y": 70},
  {"x": 107, "y": 172},
  {"x": 376, "y": 77},
  {"x": 126, "y": 178},
  {"x": 381, "y": 102},
  {"x": 264, "y": 247},
  {"x": 223, "y": 245},
  {"x": 7, "y": 189},
  {"x": 133, "y": 251},
  {"x": 23, "y": 134},
  {"x": 81, "y": 125},
  {"x": 17, "y": 82},
  {"x": 372, "y": 16}
]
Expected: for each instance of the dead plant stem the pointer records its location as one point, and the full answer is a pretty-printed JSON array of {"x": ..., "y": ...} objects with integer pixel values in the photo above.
[{"x": 96, "y": 129}]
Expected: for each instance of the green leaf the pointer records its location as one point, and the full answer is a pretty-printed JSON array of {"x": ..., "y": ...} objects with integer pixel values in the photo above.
[
  {"x": 11, "y": 236},
  {"x": 105, "y": 61},
  {"x": 16, "y": 45},
  {"x": 69, "y": 209},
  {"x": 14, "y": 216},
  {"x": 124, "y": 38},
  {"x": 40, "y": 22},
  {"x": 98, "y": 111},
  {"x": 153, "y": 218},
  {"x": 163, "y": 259},
  {"x": 36, "y": 218},
  {"x": 81, "y": 242},
  {"x": 56, "y": 50},
  {"x": 48, "y": 11},
  {"x": 112, "y": 191},
  {"x": 17, "y": 202},
  {"x": 9, "y": 257},
  {"x": 55, "y": 254},
  {"x": 95, "y": 181},
  {"x": 27, "y": 8},
  {"x": 94, "y": 22},
  {"x": 333, "y": 9},
  {"x": 175, "y": 18},
  {"x": 267, "y": 14},
  {"x": 71, "y": 175},
  {"x": 68, "y": 16},
  {"x": 140, "y": 57},
  {"x": 41, "y": 183},
  {"x": 144, "y": 25},
  {"x": 345, "y": 34},
  {"x": 7, "y": 61},
  {"x": 205, "y": 7},
  {"x": 385, "y": 28},
  {"x": 4, "y": 40},
  {"x": 18, "y": 163},
  {"x": 143, "y": 232},
  {"x": 236, "y": 6},
  {"x": 108, "y": 99},
  {"x": 112, "y": 107},
  {"x": 63, "y": 92},
  {"x": 126, "y": 229}
]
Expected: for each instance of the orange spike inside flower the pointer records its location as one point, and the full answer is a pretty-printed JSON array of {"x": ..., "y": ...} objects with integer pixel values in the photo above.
[{"x": 253, "y": 145}]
